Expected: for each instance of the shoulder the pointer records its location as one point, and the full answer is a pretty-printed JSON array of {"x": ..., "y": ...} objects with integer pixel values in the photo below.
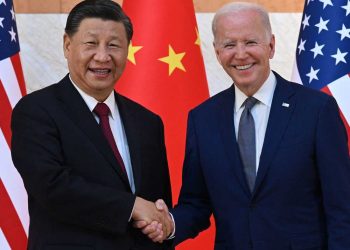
[
  {"x": 38, "y": 98},
  {"x": 305, "y": 95},
  {"x": 224, "y": 98}
]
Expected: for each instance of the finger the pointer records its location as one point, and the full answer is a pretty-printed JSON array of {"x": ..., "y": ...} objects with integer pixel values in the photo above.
[
  {"x": 159, "y": 239},
  {"x": 153, "y": 227},
  {"x": 156, "y": 236},
  {"x": 139, "y": 224},
  {"x": 160, "y": 204}
]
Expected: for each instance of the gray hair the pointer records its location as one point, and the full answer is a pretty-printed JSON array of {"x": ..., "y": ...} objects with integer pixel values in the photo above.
[{"x": 235, "y": 7}]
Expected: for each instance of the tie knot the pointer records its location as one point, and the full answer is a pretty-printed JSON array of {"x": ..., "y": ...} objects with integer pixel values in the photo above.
[
  {"x": 101, "y": 109},
  {"x": 250, "y": 102}
]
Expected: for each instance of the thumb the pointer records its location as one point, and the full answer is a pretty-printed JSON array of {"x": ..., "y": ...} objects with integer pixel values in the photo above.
[{"x": 161, "y": 206}]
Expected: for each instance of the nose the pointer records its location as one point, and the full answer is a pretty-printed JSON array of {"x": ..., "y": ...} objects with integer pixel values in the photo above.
[
  {"x": 102, "y": 54},
  {"x": 240, "y": 50}
]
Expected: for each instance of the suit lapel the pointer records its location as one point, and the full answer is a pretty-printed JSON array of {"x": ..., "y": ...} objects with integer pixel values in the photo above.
[
  {"x": 79, "y": 113},
  {"x": 133, "y": 134},
  {"x": 227, "y": 129},
  {"x": 282, "y": 107}
]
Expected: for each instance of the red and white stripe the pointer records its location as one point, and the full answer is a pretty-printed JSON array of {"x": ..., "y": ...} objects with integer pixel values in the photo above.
[{"x": 14, "y": 218}]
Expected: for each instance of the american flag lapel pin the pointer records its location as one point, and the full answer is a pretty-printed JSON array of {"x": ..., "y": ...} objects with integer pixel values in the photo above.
[{"x": 286, "y": 105}]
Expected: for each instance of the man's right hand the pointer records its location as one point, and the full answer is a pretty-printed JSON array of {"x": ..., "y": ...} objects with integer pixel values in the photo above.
[{"x": 158, "y": 229}]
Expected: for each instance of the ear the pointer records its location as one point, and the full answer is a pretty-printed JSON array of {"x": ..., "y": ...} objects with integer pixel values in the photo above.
[
  {"x": 217, "y": 52},
  {"x": 66, "y": 45},
  {"x": 272, "y": 46}
]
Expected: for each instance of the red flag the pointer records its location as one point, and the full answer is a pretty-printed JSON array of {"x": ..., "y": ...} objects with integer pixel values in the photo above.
[
  {"x": 13, "y": 200},
  {"x": 166, "y": 74}
]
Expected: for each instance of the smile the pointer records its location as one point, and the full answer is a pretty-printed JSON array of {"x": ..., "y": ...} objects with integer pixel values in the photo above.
[
  {"x": 244, "y": 67},
  {"x": 100, "y": 71}
]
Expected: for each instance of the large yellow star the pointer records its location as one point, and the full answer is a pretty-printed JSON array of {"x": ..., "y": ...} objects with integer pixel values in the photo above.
[
  {"x": 198, "y": 41},
  {"x": 174, "y": 60},
  {"x": 132, "y": 52}
]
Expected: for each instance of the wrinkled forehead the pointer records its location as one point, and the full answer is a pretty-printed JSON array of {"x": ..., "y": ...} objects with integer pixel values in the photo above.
[{"x": 243, "y": 22}]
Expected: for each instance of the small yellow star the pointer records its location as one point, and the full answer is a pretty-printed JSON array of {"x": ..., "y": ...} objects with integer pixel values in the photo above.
[
  {"x": 198, "y": 41},
  {"x": 174, "y": 60},
  {"x": 132, "y": 52}
]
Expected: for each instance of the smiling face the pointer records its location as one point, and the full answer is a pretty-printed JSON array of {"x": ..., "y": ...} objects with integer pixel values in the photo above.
[
  {"x": 96, "y": 55},
  {"x": 244, "y": 46}
]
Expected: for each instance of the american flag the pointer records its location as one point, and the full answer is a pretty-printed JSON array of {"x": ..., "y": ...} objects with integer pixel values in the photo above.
[
  {"x": 14, "y": 218},
  {"x": 323, "y": 51}
]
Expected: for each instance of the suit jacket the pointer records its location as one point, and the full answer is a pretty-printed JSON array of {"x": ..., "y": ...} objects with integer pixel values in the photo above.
[
  {"x": 78, "y": 196},
  {"x": 301, "y": 198}
]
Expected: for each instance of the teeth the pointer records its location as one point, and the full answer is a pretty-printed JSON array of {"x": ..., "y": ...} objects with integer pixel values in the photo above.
[
  {"x": 243, "y": 67},
  {"x": 101, "y": 71}
]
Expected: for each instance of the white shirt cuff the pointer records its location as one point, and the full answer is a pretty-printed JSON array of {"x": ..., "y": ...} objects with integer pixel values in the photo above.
[{"x": 172, "y": 235}]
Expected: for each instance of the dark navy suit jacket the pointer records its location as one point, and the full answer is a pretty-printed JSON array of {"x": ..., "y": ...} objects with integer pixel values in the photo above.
[
  {"x": 78, "y": 196},
  {"x": 301, "y": 198}
]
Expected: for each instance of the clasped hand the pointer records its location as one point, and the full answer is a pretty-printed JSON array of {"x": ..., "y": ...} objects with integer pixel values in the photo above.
[{"x": 153, "y": 219}]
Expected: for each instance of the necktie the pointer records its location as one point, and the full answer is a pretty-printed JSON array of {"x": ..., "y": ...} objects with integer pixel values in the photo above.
[
  {"x": 246, "y": 141},
  {"x": 102, "y": 111}
]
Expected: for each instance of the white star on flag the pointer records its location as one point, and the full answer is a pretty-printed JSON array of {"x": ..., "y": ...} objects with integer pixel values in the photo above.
[
  {"x": 344, "y": 32},
  {"x": 301, "y": 46},
  {"x": 339, "y": 57},
  {"x": 2, "y": 2},
  {"x": 312, "y": 74},
  {"x": 317, "y": 50},
  {"x": 306, "y": 21},
  {"x": 322, "y": 25},
  {"x": 326, "y": 2},
  {"x": 12, "y": 13},
  {"x": 347, "y": 8},
  {"x": 1, "y": 19},
  {"x": 13, "y": 35}
]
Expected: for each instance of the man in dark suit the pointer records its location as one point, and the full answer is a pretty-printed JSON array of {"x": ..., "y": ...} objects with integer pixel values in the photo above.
[
  {"x": 267, "y": 157},
  {"x": 89, "y": 157}
]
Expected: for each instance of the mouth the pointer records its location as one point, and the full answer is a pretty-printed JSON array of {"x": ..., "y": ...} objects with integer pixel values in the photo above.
[
  {"x": 243, "y": 67},
  {"x": 100, "y": 72}
]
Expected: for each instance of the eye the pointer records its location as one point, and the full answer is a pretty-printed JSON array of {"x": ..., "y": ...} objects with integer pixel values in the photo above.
[
  {"x": 90, "y": 43},
  {"x": 229, "y": 45},
  {"x": 251, "y": 43},
  {"x": 114, "y": 45}
]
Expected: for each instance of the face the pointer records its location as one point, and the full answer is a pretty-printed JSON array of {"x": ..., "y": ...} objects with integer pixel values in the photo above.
[
  {"x": 96, "y": 56},
  {"x": 244, "y": 47}
]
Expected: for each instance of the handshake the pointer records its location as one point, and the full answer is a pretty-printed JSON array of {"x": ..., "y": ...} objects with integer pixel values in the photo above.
[{"x": 153, "y": 219}]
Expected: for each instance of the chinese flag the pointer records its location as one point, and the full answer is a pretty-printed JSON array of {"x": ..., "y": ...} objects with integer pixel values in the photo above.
[{"x": 166, "y": 74}]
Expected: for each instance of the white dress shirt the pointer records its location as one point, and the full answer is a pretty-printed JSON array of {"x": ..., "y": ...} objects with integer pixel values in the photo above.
[
  {"x": 116, "y": 126},
  {"x": 260, "y": 111}
]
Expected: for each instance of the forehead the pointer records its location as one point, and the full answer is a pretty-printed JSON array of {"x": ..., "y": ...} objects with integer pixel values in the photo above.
[
  {"x": 240, "y": 24},
  {"x": 238, "y": 18},
  {"x": 101, "y": 26}
]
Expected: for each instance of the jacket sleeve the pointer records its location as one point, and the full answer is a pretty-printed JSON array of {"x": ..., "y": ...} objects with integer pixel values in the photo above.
[{"x": 192, "y": 213}]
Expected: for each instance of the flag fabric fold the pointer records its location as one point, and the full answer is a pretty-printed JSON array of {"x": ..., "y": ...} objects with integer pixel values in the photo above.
[
  {"x": 323, "y": 51},
  {"x": 166, "y": 74},
  {"x": 14, "y": 219}
]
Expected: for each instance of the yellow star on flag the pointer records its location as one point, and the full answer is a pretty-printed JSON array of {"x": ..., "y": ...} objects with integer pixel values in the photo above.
[
  {"x": 198, "y": 41},
  {"x": 132, "y": 52},
  {"x": 174, "y": 60}
]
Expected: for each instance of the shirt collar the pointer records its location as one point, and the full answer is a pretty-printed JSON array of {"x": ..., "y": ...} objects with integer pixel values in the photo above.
[
  {"x": 264, "y": 94},
  {"x": 92, "y": 102}
]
